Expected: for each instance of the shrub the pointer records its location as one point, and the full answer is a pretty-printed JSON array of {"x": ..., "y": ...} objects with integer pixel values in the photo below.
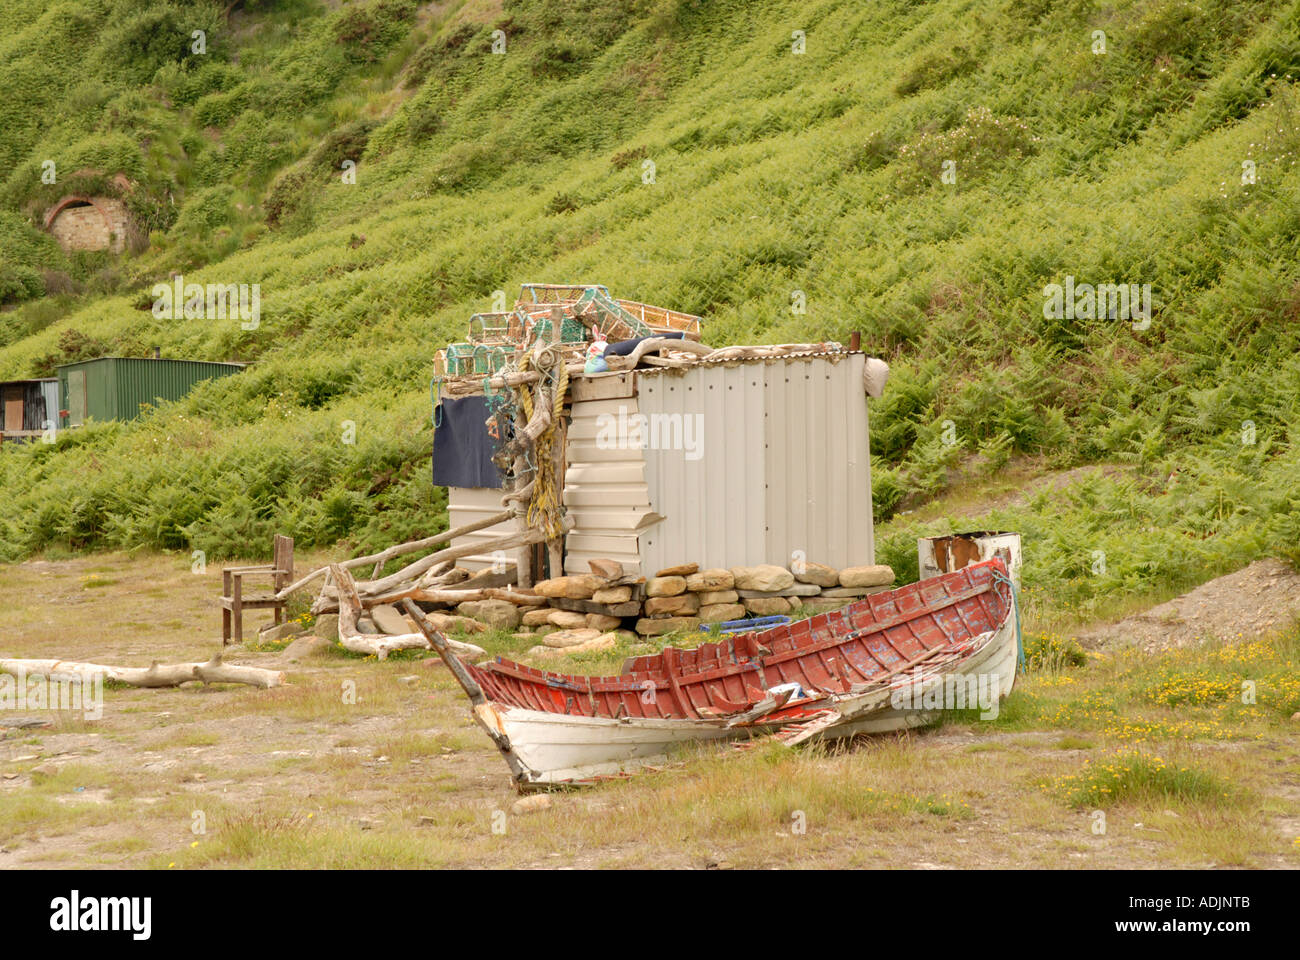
[
  {"x": 935, "y": 69},
  {"x": 562, "y": 203},
  {"x": 1053, "y": 652},
  {"x": 205, "y": 210},
  {"x": 365, "y": 32},
  {"x": 285, "y": 196},
  {"x": 980, "y": 144},
  {"x": 346, "y": 142},
  {"x": 19, "y": 283}
]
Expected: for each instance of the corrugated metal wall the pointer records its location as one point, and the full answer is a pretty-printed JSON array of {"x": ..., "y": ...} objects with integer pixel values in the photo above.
[
  {"x": 147, "y": 380},
  {"x": 471, "y": 504},
  {"x": 711, "y": 494},
  {"x": 605, "y": 487},
  {"x": 818, "y": 465},
  {"x": 779, "y": 462},
  {"x": 28, "y": 405}
]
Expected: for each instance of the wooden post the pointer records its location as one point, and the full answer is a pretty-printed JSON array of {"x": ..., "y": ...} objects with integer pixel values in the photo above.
[
  {"x": 237, "y": 607},
  {"x": 225, "y": 611},
  {"x": 282, "y": 561},
  {"x": 472, "y": 690},
  {"x": 523, "y": 556}
]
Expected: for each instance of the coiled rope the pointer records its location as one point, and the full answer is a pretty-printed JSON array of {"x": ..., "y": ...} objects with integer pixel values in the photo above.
[
  {"x": 1022, "y": 666},
  {"x": 544, "y": 507}
]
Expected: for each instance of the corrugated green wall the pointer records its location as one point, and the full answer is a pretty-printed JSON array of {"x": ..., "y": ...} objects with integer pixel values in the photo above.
[{"x": 116, "y": 386}]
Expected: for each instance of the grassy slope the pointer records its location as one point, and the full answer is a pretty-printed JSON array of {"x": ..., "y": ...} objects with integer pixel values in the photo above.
[{"x": 773, "y": 173}]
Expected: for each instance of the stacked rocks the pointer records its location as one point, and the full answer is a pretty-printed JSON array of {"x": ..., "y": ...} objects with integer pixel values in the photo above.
[
  {"x": 683, "y": 597},
  {"x": 581, "y": 608},
  {"x": 581, "y": 602}
]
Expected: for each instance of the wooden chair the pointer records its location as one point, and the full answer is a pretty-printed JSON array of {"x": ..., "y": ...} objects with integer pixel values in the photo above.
[{"x": 234, "y": 603}]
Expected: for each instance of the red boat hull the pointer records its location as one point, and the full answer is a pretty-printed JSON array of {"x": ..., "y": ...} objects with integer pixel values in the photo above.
[{"x": 829, "y": 654}]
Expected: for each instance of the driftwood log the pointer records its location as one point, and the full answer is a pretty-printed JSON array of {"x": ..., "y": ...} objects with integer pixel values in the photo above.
[
  {"x": 379, "y": 645},
  {"x": 155, "y": 675},
  {"x": 757, "y": 351},
  {"x": 656, "y": 344},
  {"x": 416, "y": 569}
]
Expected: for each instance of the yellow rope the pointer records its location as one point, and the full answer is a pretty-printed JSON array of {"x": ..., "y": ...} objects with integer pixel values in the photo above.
[{"x": 544, "y": 507}]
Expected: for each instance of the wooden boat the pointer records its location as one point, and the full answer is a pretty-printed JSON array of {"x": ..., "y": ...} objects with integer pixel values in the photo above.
[{"x": 889, "y": 661}]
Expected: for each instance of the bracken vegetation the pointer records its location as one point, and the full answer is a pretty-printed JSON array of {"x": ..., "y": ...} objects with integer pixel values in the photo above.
[{"x": 773, "y": 172}]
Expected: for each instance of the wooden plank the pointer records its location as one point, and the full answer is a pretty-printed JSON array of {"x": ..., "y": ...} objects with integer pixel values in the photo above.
[{"x": 603, "y": 386}]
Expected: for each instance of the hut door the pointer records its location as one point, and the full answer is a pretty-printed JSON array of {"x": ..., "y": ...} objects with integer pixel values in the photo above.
[
  {"x": 13, "y": 407},
  {"x": 76, "y": 397}
]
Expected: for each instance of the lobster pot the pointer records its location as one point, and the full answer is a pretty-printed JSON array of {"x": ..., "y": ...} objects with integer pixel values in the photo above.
[
  {"x": 571, "y": 330},
  {"x": 662, "y": 320},
  {"x": 939, "y": 555},
  {"x": 463, "y": 359},
  {"x": 490, "y": 328}
]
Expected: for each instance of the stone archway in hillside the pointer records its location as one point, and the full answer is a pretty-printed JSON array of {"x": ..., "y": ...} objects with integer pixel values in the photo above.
[{"x": 89, "y": 223}]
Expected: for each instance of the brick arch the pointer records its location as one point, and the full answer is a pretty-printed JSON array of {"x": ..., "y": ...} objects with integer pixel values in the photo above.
[
  {"x": 107, "y": 231},
  {"x": 74, "y": 200}
]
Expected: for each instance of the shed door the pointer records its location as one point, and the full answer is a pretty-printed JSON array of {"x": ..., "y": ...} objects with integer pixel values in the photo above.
[
  {"x": 76, "y": 397},
  {"x": 13, "y": 407}
]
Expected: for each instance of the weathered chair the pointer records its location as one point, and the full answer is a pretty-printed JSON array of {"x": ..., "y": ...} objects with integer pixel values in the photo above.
[{"x": 234, "y": 603}]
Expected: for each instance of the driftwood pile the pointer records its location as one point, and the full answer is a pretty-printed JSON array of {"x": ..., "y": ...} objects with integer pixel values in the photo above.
[{"x": 431, "y": 580}]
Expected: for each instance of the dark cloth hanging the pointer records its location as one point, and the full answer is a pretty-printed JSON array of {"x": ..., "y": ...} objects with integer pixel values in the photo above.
[{"x": 462, "y": 444}]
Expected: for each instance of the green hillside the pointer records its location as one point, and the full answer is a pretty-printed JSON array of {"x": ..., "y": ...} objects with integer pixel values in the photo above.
[{"x": 770, "y": 172}]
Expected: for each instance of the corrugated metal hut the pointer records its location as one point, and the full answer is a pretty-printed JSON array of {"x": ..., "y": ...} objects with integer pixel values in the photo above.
[
  {"x": 113, "y": 388},
  {"x": 728, "y": 458}
]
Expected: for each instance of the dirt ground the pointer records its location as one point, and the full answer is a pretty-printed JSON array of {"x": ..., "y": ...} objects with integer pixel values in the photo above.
[
  {"x": 1263, "y": 596},
  {"x": 358, "y": 763}
]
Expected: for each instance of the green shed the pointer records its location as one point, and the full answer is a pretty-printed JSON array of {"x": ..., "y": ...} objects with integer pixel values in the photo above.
[{"x": 112, "y": 388}]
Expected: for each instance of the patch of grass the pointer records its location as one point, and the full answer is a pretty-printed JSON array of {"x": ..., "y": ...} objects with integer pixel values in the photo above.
[
  {"x": 275, "y": 840},
  {"x": 1053, "y": 652},
  {"x": 419, "y": 745},
  {"x": 189, "y": 738},
  {"x": 1135, "y": 776},
  {"x": 24, "y": 813}
]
